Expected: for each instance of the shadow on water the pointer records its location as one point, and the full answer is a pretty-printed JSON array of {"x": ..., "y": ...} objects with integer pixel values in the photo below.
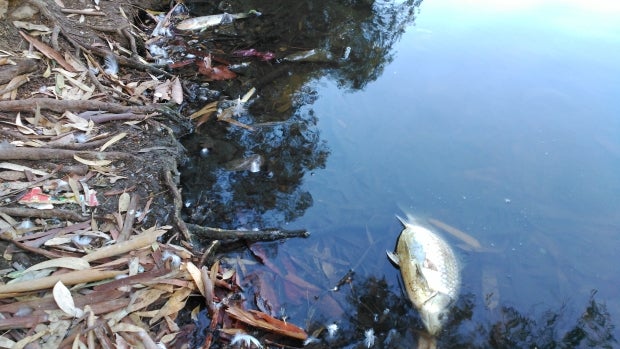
[{"x": 375, "y": 306}]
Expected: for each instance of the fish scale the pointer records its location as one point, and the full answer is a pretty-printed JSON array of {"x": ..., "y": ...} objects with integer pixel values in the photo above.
[{"x": 430, "y": 272}]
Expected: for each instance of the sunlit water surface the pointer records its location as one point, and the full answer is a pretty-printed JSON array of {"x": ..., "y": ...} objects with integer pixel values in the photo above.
[{"x": 500, "y": 119}]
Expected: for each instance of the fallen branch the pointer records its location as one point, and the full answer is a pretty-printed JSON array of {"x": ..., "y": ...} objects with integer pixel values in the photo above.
[
  {"x": 40, "y": 251},
  {"x": 247, "y": 235},
  {"x": 177, "y": 201},
  {"x": 130, "y": 217},
  {"x": 137, "y": 242},
  {"x": 17, "y": 153},
  {"x": 53, "y": 213},
  {"x": 69, "y": 279},
  {"x": 22, "y": 66},
  {"x": 29, "y": 321},
  {"x": 86, "y": 12},
  {"x": 76, "y": 105},
  {"x": 105, "y": 117},
  {"x": 209, "y": 253}
]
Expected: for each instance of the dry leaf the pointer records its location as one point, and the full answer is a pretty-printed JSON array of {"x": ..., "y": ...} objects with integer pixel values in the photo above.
[
  {"x": 62, "y": 262},
  {"x": 145, "y": 239},
  {"x": 16, "y": 167},
  {"x": 6, "y": 343},
  {"x": 266, "y": 322},
  {"x": 123, "y": 202},
  {"x": 75, "y": 189},
  {"x": 113, "y": 140},
  {"x": 125, "y": 327},
  {"x": 194, "y": 272},
  {"x": 175, "y": 303},
  {"x": 78, "y": 122},
  {"x": 92, "y": 162},
  {"x": 64, "y": 300},
  {"x": 12, "y": 86},
  {"x": 70, "y": 278},
  {"x": 162, "y": 92},
  {"x": 32, "y": 26},
  {"x": 207, "y": 109},
  {"x": 20, "y": 126},
  {"x": 176, "y": 91},
  {"x": 47, "y": 51}
]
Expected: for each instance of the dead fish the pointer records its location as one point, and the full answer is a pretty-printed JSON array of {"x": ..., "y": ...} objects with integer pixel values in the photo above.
[
  {"x": 430, "y": 273},
  {"x": 204, "y": 22},
  {"x": 315, "y": 55}
]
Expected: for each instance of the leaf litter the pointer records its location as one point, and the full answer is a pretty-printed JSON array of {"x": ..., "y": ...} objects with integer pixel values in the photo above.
[{"x": 98, "y": 272}]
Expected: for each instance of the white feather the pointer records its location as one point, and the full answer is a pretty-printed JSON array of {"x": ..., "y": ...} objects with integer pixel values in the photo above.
[
  {"x": 110, "y": 65},
  {"x": 369, "y": 338},
  {"x": 245, "y": 339}
]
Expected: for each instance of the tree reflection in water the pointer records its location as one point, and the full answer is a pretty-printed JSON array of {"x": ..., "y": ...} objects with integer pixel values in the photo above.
[
  {"x": 396, "y": 324},
  {"x": 357, "y": 37}
]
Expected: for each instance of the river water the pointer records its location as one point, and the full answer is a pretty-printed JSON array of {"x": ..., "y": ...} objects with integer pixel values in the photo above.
[{"x": 501, "y": 119}]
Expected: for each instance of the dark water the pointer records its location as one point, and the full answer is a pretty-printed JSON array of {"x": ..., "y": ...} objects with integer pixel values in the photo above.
[{"x": 499, "y": 118}]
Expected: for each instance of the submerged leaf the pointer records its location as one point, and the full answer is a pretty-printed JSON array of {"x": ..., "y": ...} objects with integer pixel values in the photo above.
[{"x": 266, "y": 322}]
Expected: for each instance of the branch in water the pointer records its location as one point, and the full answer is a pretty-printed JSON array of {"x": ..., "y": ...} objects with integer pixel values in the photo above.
[{"x": 247, "y": 235}]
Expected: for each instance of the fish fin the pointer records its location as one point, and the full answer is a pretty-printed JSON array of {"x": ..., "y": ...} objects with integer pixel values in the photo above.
[
  {"x": 408, "y": 221},
  {"x": 418, "y": 270},
  {"x": 393, "y": 257},
  {"x": 402, "y": 221},
  {"x": 439, "y": 297}
]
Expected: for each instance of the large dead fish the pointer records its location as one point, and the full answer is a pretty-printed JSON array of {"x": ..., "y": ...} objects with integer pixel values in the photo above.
[{"x": 430, "y": 273}]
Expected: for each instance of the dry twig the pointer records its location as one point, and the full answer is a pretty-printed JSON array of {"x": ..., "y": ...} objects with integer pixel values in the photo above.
[
  {"x": 247, "y": 235},
  {"x": 18, "y": 153}
]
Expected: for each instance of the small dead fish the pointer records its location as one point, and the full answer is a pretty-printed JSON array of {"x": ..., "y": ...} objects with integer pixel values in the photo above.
[
  {"x": 430, "y": 273},
  {"x": 204, "y": 22},
  {"x": 314, "y": 55}
]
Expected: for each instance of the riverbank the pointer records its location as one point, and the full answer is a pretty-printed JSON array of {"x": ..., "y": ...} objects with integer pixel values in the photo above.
[{"x": 95, "y": 250}]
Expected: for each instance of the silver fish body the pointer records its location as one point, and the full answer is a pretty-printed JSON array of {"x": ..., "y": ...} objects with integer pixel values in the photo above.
[{"x": 430, "y": 273}]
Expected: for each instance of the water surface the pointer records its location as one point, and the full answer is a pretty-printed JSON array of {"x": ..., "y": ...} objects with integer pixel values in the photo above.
[
  {"x": 500, "y": 119},
  {"x": 502, "y": 122}
]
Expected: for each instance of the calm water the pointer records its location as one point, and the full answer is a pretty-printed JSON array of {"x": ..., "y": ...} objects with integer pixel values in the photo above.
[{"x": 501, "y": 119}]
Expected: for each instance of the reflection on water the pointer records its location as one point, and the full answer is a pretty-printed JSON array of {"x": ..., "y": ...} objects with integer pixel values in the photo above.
[
  {"x": 500, "y": 119},
  {"x": 378, "y": 308}
]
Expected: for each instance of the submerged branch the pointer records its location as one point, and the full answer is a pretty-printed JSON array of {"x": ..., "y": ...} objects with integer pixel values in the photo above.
[{"x": 248, "y": 235}]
